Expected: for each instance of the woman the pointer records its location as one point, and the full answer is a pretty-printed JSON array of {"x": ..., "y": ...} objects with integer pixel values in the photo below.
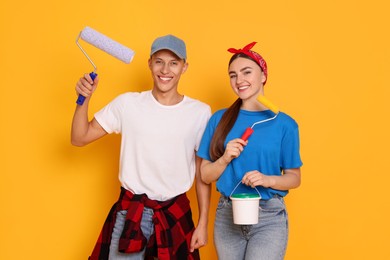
[{"x": 268, "y": 161}]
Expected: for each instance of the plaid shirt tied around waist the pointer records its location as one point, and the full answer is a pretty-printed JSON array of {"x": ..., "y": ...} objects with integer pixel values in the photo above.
[{"x": 173, "y": 228}]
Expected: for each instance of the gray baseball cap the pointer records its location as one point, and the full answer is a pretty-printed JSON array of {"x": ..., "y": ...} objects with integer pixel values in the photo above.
[{"x": 172, "y": 43}]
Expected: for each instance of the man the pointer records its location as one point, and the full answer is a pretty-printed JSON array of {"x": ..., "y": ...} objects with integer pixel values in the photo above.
[{"x": 161, "y": 130}]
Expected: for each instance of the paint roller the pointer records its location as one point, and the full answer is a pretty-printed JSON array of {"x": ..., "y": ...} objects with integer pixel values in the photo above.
[
  {"x": 107, "y": 45},
  {"x": 249, "y": 131}
]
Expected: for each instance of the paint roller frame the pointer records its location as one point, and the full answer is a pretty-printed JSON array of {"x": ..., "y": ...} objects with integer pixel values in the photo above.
[
  {"x": 105, "y": 44},
  {"x": 262, "y": 99}
]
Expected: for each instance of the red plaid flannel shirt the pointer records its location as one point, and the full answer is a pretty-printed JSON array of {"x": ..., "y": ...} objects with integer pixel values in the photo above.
[{"x": 173, "y": 228}]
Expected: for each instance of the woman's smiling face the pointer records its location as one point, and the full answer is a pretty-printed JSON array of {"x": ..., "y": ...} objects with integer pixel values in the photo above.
[{"x": 246, "y": 78}]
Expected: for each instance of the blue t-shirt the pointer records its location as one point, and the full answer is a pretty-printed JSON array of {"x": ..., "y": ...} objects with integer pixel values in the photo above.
[{"x": 273, "y": 146}]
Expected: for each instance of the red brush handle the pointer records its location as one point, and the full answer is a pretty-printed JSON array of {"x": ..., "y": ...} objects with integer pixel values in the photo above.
[{"x": 247, "y": 133}]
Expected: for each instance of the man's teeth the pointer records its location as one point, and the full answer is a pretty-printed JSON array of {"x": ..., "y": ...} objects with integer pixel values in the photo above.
[
  {"x": 243, "y": 87},
  {"x": 165, "y": 79}
]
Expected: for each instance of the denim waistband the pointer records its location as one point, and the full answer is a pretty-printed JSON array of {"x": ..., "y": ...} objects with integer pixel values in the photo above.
[{"x": 228, "y": 198}]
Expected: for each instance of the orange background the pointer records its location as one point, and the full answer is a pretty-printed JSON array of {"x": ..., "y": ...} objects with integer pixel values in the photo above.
[{"x": 328, "y": 68}]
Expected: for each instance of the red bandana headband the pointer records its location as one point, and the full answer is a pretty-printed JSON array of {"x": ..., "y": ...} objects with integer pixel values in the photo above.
[{"x": 254, "y": 55}]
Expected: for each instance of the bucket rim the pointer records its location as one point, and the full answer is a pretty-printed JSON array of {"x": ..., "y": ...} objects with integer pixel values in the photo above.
[{"x": 245, "y": 196}]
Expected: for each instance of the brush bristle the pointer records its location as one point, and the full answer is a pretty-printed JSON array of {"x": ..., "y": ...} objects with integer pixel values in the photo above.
[{"x": 107, "y": 45}]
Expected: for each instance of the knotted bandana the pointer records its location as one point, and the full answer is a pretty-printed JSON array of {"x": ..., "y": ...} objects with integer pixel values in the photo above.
[{"x": 254, "y": 55}]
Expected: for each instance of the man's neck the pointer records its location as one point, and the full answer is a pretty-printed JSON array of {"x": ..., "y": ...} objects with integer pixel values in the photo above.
[{"x": 167, "y": 98}]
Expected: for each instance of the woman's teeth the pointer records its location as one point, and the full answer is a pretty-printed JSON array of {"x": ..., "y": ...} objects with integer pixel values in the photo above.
[{"x": 243, "y": 87}]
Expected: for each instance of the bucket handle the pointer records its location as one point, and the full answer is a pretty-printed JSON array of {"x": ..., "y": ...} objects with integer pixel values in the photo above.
[{"x": 239, "y": 184}]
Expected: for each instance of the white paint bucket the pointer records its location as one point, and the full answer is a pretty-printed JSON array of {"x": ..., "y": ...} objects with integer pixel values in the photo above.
[{"x": 245, "y": 208}]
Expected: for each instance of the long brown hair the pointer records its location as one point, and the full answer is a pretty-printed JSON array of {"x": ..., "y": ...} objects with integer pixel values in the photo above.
[{"x": 227, "y": 121}]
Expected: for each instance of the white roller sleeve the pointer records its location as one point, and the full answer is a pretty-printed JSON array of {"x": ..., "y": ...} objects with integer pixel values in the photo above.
[{"x": 106, "y": 44}]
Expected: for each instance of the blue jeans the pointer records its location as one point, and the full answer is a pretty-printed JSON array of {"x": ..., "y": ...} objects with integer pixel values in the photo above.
[
  {"x": 266, "y": 240},
  {"x": 146, "y": 227}
]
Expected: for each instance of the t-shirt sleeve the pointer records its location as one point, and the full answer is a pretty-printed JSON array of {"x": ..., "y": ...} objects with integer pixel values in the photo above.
[
  {"x": 202, "y": 125},
  {"x": 290, "y": 150},
  {"x": 204, "y": 148},
  {"x": 109, "y": 116}
]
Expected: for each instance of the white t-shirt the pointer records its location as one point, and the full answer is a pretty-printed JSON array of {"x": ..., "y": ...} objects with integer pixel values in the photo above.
[{"x": 158, "y": 142}]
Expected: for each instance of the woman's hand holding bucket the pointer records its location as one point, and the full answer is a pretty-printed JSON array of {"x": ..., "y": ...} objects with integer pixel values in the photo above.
[{"x": 256, "y": 178}]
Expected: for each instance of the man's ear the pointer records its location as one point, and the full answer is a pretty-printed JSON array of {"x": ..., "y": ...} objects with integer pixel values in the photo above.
[
  {"x": 185, "y": 67},
  {"x": 150, "y": 63}
]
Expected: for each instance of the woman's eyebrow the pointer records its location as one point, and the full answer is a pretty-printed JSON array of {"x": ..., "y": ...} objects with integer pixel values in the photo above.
[{"x": 245, "y": 68}]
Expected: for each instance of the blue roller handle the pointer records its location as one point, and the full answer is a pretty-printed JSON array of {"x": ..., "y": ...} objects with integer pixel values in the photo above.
[{"x": 81, "y": 98}]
